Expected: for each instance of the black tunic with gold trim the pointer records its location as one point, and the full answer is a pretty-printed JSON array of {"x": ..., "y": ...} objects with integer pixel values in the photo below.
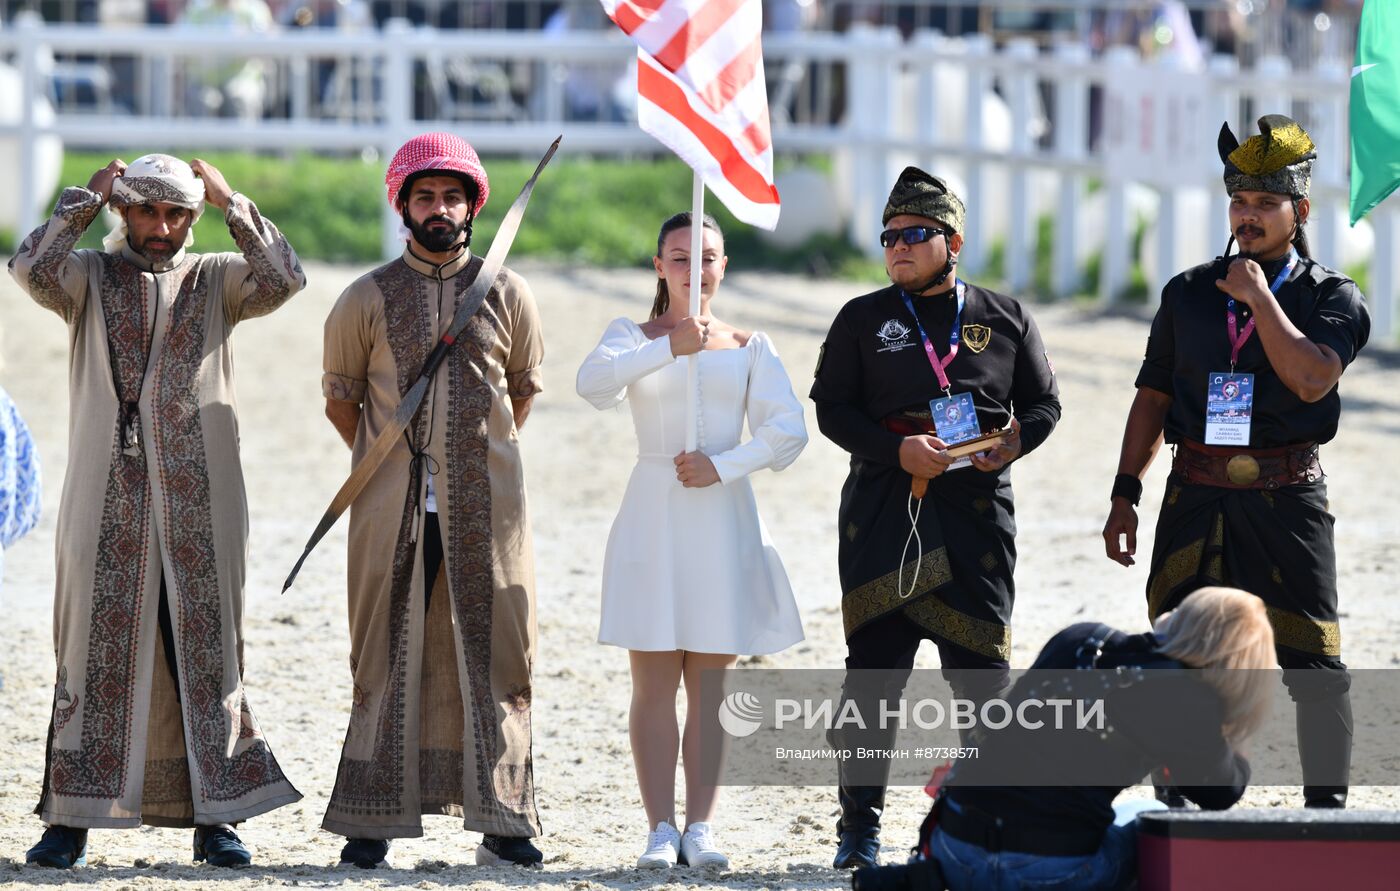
[
  {"x": 873, "y": 365},
  {"x": 1277, "y": 544}
]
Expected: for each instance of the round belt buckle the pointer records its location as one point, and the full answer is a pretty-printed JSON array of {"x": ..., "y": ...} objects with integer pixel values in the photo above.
[{"x": 1242, "y": 470}]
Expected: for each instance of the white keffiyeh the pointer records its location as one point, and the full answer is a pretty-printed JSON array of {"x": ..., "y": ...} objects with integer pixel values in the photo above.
[{"x": 155, "y": 179}]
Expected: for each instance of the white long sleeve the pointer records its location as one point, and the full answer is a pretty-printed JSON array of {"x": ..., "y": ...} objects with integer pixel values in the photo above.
[
  {"x": 622, "y": 357},
  {"x": 778, "y": 430}
]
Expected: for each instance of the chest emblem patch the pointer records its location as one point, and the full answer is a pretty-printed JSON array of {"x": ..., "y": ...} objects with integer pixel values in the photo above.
[
  {"x": 894, "y": 335},
  {"x": 893, "y": 330},
  {"x": 976, "y": 337}
]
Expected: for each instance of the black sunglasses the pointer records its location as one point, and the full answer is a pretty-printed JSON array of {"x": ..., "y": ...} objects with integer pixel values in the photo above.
[{"x": 910, "y": 234}]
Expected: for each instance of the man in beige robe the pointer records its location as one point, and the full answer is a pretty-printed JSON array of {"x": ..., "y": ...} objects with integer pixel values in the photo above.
[
  {"x": 441, "y": 577},
  {"x": 150, "y": 720}
]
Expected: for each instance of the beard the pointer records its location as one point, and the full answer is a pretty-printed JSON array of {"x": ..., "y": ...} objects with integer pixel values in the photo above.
[
  {"x": 438, "y": 240},
  {"x": 154, "y": 250}
]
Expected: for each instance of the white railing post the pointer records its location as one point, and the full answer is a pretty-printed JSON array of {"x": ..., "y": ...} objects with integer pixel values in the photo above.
[
  {"x": 1020, "y": 230},
  {"x": 1271, "y": 97},
  {"x": 398, "y": 113},
  {"x": 1071, "y": 101},
  {"x": 1116, "y": 261},
  {"x": 1385, "y": 273},
  {"x": 1329, "y": 133},
  {"x": 973, "y": 258},
  {"x": 872, "y": 78},
  {"x": 1227, "y": 106},
  {"x": 1169, "y": 66},
  {"x": 28, "y": 24},
  {"x": 932, "y": 46}
]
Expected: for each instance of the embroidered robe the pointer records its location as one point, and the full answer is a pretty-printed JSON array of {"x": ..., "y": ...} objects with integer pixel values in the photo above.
[{"x": 125, "y": 745}]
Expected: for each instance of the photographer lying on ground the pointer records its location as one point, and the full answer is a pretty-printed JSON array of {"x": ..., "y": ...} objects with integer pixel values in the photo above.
[{"x": 992, "y": 837}]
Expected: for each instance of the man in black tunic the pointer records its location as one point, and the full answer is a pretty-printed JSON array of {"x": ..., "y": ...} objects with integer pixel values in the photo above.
[
  {"x": 1241, "y": 378},
  {"x": 899, "y": 377}
]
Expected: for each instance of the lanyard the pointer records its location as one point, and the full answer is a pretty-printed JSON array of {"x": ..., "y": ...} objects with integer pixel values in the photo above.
[
  {"x": 954, "y": 338},
  {"x": 1237, "y": 339}
]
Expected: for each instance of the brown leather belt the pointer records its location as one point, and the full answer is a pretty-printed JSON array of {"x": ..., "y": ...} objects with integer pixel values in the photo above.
[
  {"x": 909, "y": 425},
  {"x": 1235, "y": 468}
]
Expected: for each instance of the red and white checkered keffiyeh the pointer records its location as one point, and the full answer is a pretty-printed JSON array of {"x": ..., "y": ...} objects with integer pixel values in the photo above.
[{"x": 436, "y": 151}]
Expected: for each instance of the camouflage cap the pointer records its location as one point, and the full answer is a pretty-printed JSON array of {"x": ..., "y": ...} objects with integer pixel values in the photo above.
[
  {"x": 1279, "y": 160},
  {"x": 924, "y": 195}
]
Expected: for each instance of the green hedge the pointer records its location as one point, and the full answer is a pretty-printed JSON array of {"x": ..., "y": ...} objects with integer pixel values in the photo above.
[{"x": 600, "y": 213}]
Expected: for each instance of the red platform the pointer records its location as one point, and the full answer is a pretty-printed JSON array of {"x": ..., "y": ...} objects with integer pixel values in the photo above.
[{"x": 1275, "y": 849}]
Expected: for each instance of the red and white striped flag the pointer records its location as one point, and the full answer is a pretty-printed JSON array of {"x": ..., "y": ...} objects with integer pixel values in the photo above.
[{"x": 701, "y": 91}]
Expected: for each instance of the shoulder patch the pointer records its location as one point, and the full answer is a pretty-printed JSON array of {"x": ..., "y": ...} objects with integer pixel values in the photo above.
[{"x": 821, "y": 354}]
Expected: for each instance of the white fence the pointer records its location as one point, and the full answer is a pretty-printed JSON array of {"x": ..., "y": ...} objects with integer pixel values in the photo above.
[{"x": 1110, "y": 158}]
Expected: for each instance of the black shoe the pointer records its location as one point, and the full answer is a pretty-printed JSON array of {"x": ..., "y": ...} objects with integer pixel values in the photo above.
[
  {"x": 366, "y": 853},
  {"x": 61, "y": 847},
  {"x": 1325, "y": 798},
  {"x": 220, "y": 846},
  {"x": 860, "y": 846},
  {"x": 497, "y": 850}
]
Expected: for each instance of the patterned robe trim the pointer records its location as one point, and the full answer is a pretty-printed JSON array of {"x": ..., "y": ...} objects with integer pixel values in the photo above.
[
  {"x": 374, "y": 787},
  {"x": 342, "y": 388},
  {"x": 275, "y": 267},
  {"x": 1187, "y": 564},
  {"x": 875, "y": 598},
  {"x": 224, "y": 742},
  {"x": 1199, "y": 563},
  {"x": 52, "y": 242},
  {"x": 505, "y": 792},
  {"x": 1308, "y": 635},
  {"x": 98, "y": 768},
  {"x": 979, "y": 635},
  {"x": 524, "y": 384}
]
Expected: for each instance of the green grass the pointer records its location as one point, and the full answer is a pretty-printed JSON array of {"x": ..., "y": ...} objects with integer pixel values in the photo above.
[{"x": 599, "y": 213}]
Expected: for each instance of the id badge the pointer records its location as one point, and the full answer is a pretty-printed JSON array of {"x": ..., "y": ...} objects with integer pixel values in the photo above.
[
  {"x": 955, "y": 419},
  {"x": 1229, "y": 408}
]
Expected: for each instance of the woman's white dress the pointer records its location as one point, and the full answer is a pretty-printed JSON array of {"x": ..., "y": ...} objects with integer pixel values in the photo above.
[{"x": 694, "y": 569}]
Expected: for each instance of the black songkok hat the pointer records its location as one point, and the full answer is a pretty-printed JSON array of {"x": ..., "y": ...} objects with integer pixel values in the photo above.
[{"x": 924, "y": 195}]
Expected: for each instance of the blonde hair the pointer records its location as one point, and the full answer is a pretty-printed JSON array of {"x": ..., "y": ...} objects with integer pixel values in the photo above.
[{"x": 1225, "y": 632}]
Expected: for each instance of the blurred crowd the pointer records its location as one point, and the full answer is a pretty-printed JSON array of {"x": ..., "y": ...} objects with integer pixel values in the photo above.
[{"x": 1301, "y": 30}]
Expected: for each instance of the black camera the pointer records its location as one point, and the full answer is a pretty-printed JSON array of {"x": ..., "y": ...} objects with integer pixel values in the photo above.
[{"x": 920, "y": 875}]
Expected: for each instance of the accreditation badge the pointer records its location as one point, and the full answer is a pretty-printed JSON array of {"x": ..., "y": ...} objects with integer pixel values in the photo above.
[
  {"x": 1229, "y": 408},
  {"x": 955, "y": 419}
]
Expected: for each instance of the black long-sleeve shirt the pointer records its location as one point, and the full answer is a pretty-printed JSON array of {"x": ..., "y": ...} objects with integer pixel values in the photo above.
[
  {"x": 1189, "y": 341},
  {"x": 873, "y": 364}
]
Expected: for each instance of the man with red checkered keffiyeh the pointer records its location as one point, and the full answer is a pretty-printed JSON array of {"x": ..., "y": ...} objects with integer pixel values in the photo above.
[{"x": 441, "y": 574}]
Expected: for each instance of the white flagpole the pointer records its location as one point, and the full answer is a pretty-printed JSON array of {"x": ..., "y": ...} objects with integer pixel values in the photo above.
[{"x": 692, "y": 386}]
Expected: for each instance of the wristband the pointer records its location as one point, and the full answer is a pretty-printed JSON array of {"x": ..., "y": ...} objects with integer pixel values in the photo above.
[{"x": 1125, "y": 485}]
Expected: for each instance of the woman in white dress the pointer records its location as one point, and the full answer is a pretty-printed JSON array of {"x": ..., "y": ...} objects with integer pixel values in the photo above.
[{"x": 691, "y": 580}]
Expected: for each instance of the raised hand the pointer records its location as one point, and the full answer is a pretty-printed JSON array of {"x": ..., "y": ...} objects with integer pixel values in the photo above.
[
  {"x": 101, "y": 181},
  {"x": 690, "y": 336},
  {"x": 216, "y": 190},
  {"x": 1244, "y": 281}
]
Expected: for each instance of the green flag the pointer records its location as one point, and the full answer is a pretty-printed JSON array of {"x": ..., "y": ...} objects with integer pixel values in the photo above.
[{"x": 1375, "y": 107}]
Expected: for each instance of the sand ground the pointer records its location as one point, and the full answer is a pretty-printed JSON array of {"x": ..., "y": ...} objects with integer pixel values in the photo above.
[{"x": 577, "y": 462}]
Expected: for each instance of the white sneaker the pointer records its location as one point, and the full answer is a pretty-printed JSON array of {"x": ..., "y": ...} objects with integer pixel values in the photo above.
[
  {"x": 698, "y": 848},
  {"x": 663, "y": 846}
]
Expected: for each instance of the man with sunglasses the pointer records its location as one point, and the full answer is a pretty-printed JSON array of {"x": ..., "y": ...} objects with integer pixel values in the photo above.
[
  {"x": 906, "y": 372},
  {"x": 1240, "y": 376}
]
